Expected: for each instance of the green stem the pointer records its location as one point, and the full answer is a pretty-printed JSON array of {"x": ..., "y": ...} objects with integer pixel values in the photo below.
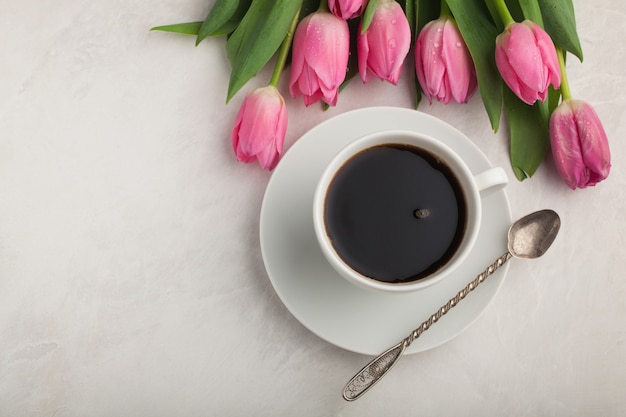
[
  {"x": 445, "y": 9},
  {"x": 323, "y": 6},
  {"x": 503, "y": 11},
  {"x": 565, "y": 91},
  {"x": 283, "y": 52}
]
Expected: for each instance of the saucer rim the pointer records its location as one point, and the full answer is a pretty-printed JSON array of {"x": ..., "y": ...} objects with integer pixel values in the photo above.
[{"x": 413, "y": 118}]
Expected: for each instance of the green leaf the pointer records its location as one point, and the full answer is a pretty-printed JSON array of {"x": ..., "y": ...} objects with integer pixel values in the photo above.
[
  {"x": 190, "y": 28},
  {"x": 495, "y": 17},
  {"x": 531, "y": 11},
  {"x": 417, "y": 92},
  {"x": 411, "y": 16},
  {"x": 554, "y": 98},
  {"x": 422, "y": 12},
  {"x": 529, "y": 134},
  {"x": 368, "y": 15},
  {"x": 560, "y": 23},
  {"x": 223, "y": 18},
  {"x": 479, "y": 33},
  {"x": 257, "y": 38},
  {"x": 426, "y": 11},
  {"x": 308, "y": 7},
  {"x": 219, "y": 14},
  {"x": 410, "y": 9}
]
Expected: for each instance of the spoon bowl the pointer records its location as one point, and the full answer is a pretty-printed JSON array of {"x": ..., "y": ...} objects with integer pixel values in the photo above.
[{"x": 532, "y": 235}]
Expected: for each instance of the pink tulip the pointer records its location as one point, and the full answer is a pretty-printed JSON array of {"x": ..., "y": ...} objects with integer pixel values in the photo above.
[
  {"x": 385, "y": 45},
  {"x": 260, "y": 126},
  {"x": 321, "y": 46},
  {"x": 579, "y": 144},
  {"x": 346, "y": 9},
  {"x": 443, "y": 64},
  {"x": 526, "y": 58}
]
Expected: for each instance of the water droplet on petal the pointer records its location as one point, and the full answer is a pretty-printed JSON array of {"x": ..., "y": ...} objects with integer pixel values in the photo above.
[{"x": 459, "y": 44}]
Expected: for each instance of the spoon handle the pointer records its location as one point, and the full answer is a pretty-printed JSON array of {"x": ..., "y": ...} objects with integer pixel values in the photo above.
[{"x": 360, "y": 383}]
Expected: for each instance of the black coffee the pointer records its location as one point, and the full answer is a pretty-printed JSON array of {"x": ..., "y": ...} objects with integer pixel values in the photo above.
[{"x": 395, "y": 213}]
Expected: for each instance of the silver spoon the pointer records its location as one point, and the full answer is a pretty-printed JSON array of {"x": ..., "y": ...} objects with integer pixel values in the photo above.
[{"x": 529, "y": 238}]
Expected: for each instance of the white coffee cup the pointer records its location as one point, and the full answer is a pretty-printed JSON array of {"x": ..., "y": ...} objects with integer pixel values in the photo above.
[{"x": 473, "y": 187}]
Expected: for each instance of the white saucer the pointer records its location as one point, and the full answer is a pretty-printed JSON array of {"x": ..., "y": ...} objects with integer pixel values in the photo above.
[{"x": 352, "y": 318}]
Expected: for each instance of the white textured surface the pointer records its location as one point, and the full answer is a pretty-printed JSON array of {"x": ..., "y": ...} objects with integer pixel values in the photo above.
[{"x": 131, "y": 280}]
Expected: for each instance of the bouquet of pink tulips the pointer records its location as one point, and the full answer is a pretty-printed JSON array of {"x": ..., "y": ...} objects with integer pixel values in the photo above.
[{"x": 512, "y": 52}]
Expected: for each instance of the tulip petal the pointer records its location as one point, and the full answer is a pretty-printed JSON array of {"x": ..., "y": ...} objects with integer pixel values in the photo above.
[
  {"x": 308, "y": 83},
  {"x": 346, "y": 9},
  {"x": 320, "y": 57},
  {"x": 526, "y": 58},
  {"x": 433, "y": 66},
  {"x": 297, "y": 57},
  {"x": 565, "y": 147},
  {"x": 281, "y": 128},
  {"x": 388, "y": 40},
  {"x": 260, "y": 127},
  {"x": 548, "y": 56},
  {"x": 268, "y": 157},
  {"x": 327, "y": 51},
  {"x": 458, "y": 63},
  {"x": 506, "y": 69},
  {"x": 376, "y": 61},
  {"x": 593, "y": 141},
  {"x": 527, "y": 61},
  {"x": 236, "y": 136},
  {"x": 443, "y": 65},
  {"x": 579, "y": 144},
  {"x": 363, "y": 50}
]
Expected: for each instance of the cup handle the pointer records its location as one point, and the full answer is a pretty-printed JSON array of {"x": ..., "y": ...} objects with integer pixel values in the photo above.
[{"x": 492, "y": 179}]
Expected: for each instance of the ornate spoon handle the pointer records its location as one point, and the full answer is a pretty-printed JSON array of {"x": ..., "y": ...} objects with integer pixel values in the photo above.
[{"x": 379, "y": 366}]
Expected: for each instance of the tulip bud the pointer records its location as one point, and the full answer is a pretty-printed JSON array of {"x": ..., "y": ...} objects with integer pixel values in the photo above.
[
  {"x": 260, "y": 127},
  {"x": 527, "y": 60},
  {"x": 346, "y": 9},
  {"x": 386, "y": 43},
  {"x": 443, "y": 64},
  {"x": 580, "y": 147},
  {"x": 321, "y": 47}
]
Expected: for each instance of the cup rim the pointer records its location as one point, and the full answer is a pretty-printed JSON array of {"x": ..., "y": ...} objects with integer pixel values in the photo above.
[{"x": 465, "y": 177}]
